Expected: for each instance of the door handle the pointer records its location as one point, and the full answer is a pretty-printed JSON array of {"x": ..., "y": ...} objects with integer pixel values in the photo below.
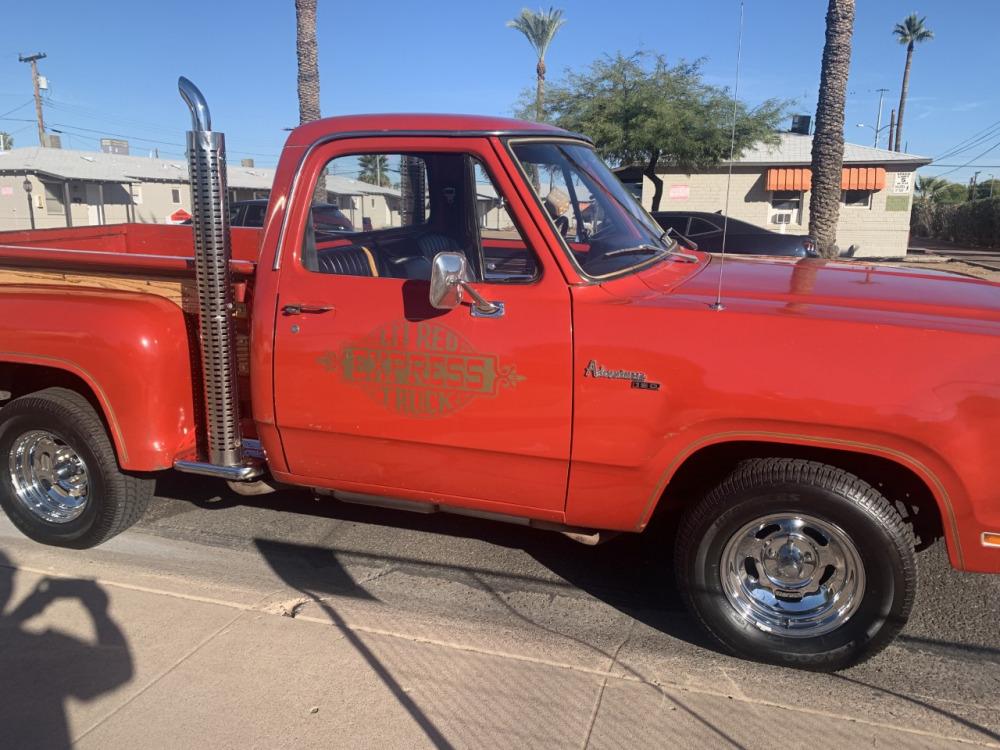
[{"x": 299, "y": 309}]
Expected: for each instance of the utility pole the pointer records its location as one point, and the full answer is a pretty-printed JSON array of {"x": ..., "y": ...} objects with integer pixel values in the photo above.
[
  {"x": 972, "y": 189},
  {"x": 33, "y": 59},
  {"x": 892, "y": 128},
  {"x": 878, "y": 122}
]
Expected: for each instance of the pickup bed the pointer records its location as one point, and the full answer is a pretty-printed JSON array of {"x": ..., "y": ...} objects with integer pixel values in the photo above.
[{"x": 511, "y": 336}]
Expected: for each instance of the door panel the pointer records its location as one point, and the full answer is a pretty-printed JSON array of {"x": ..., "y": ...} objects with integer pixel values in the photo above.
[{"x": 384, "y": 391}]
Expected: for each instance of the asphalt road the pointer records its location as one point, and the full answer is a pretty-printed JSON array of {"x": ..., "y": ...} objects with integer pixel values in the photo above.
[{"x": 528, "y": 589}]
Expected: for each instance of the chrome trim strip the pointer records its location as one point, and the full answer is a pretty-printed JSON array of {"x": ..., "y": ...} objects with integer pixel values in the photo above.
[
  {"x": 396, "y": 134},
  {"x": 242, "y": 473}
]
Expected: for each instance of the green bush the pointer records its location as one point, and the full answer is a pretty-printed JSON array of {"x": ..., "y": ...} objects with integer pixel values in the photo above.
[{"x": 970, "y": 223}]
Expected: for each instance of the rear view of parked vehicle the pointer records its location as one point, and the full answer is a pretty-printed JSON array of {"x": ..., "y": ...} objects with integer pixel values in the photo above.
[{"x": 705, "y": 230}]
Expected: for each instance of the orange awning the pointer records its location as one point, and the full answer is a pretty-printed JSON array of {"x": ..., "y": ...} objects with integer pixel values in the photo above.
[
  {"x": 789, "y": 179},
  {"x": 863, "y": 178},
  {"x": 800, "y": 178}
]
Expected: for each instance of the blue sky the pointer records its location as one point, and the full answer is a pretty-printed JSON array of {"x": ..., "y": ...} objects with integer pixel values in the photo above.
[{"x": 112, "y": 66}]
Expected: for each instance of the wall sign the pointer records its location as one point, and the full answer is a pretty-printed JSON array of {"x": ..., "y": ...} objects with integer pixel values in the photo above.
[
  {"x": 679, "y": 192},
  {"x": 902, "y": 183}
]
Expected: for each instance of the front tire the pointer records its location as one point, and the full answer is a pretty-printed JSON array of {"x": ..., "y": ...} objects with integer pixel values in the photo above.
[
  {"x": 60, "y": 483},
  {"x": 797, "y": 563}
]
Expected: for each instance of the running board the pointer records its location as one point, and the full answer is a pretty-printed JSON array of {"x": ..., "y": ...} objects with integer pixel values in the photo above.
[{"x": 590, "y": 537}]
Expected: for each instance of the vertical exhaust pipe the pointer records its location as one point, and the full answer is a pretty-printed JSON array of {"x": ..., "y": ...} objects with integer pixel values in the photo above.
[{"x": 206, "y": 154}]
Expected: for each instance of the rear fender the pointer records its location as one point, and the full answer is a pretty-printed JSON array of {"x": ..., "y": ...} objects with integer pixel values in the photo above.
[{"x": 132, "y": 350}]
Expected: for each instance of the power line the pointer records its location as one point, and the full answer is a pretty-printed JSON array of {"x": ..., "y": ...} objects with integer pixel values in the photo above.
[
  {"x": 19, "y": 106},
  {"x": 978, "y": 136},
  {"x": 971, "y": 161},
  {"x": 83, "y": 111}
]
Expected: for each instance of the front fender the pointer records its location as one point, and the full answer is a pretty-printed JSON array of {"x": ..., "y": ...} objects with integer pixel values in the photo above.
[{"x": 133, "y": 351}]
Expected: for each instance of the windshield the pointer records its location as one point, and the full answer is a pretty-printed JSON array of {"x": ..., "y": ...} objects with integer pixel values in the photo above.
[{"x": 605, "y": 229}]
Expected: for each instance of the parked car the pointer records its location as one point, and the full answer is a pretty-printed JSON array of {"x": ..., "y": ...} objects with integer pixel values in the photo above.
[
  {"x": 705, "y": 230},
  {"x": 326, "y": 218},
  {"x": 582, "y": 382}
]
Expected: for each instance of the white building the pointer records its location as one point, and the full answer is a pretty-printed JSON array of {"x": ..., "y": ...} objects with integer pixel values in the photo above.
[
  {"x": 86, "y": 188},
  {"x": 770, "y": 188}
]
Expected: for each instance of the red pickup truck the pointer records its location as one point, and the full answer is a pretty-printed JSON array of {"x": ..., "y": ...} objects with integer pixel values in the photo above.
[{"x": 511, "y": 336}]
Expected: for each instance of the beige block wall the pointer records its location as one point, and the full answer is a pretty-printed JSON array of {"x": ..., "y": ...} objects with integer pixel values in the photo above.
[
  {"x": 374, "y": 207},
  {"x": 157, "y": 201},
  {"x": 877, "y": 232},
  {"x": 154, "y": 203}
]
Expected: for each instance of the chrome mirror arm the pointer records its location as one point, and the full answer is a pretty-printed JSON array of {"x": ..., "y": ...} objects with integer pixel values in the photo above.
[{"x": 482, "y": 304}]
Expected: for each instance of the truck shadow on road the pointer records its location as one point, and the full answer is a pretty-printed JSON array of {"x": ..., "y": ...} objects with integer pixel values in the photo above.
[
  {"x": 632, "y": 573},
  {"x": 41, "y": 670}
]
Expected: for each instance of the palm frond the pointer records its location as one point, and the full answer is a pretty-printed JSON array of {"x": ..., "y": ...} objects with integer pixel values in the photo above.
[
  {"x": 539, "y": 28},
  {"x": 913, "y": 29}
]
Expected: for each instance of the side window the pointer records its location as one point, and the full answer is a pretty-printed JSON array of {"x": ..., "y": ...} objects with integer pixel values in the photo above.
[
  {"x": 255, "y": 213},
  {"x": 702, "y": 226},
  {"x": 383, "y": 215},
  {"x": 860, "y": 198}
]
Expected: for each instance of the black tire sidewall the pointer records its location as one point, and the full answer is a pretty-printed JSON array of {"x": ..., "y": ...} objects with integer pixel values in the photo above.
[
  {"x": 72, "y": 533},
  {"x": 881, "y": 613}
]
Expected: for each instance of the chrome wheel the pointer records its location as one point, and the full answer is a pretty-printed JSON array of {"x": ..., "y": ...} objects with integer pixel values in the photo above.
[
  {"x": 50, "y": 479},
  {"x": 793, "y": 575}
]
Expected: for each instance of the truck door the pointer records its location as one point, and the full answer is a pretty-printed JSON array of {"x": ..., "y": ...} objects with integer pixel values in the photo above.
[{"x": 378, "y": 392}]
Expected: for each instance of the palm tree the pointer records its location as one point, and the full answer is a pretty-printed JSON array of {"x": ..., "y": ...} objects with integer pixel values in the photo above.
[
  {"x": 307, "y": 57},
  {"x": 828, "y": 140},
  {"x": 6, "y": 141},
  {"x": 910, "y": 32},
  {"x": 374, "y": 169},
  {"x": 929, "y": 188},
  {"x": 540, "y": 29}
]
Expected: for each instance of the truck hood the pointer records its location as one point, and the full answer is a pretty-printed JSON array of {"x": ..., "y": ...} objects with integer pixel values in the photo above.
[{"x": 812, "y": 284}]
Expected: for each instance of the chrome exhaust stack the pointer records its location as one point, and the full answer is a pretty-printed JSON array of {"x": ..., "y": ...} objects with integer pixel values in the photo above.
[{"x": 206, "y": 154}]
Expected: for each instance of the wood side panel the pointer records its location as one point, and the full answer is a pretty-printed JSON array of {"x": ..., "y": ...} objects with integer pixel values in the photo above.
[{"x": 179, "y": 291}]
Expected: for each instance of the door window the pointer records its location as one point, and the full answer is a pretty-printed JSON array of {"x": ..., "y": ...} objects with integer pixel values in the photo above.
[{"x": 400, "y": 210}]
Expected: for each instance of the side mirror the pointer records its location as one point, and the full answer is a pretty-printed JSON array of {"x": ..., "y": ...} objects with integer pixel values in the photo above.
[
  {"x": 450, "y": 280},
  {"x": 448, "y": 272}
]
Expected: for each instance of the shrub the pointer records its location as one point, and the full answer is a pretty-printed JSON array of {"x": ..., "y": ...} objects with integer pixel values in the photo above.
[{"x": 970, "y": 223}]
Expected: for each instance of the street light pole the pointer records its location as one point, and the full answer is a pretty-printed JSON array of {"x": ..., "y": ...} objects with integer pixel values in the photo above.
[
  {"x": 27, "y": 192},
  {"x": 878, "y": 121}
]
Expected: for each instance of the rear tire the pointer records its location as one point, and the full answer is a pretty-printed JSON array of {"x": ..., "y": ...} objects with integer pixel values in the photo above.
[
  {"x": 797, "y": 563},
  {"x": 60, "y": 483}
]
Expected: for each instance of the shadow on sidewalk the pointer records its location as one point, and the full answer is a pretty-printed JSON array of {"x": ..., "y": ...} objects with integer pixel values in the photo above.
[
  {"x": 39, "y": 671},
  {"x": 286, "y": 560}
]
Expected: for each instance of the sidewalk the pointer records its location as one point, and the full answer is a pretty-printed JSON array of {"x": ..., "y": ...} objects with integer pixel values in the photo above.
[{"x": 147, "y": 657}]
